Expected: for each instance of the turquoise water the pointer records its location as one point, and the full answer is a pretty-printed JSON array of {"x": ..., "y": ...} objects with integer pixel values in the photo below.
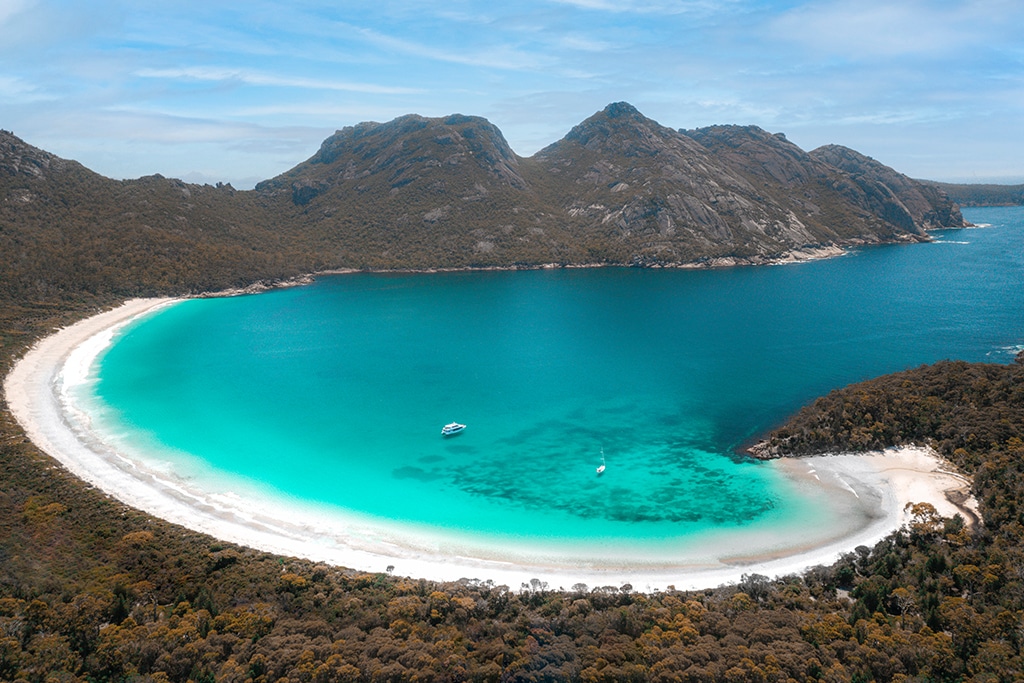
[{"x": 336, "y": 392}]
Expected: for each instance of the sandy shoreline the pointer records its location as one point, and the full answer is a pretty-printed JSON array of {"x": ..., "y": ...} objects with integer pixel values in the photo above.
[{"x": 877, "y": 486}]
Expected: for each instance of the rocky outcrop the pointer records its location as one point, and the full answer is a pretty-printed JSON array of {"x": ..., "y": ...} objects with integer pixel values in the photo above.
[
  {"x": 896, "y": 197},
  {"x": 656, "y": 192},
  {"x": 832, "y": 202},
  {"x": 409, "y": 151},
  {"x": 765, "y": 450},
  {"x": 18, "y": 158}
]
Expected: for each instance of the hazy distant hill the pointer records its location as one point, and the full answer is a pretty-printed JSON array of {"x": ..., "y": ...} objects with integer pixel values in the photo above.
[
  {"x": 449, "y": 192},
  {"x": 981, "y": 195}
]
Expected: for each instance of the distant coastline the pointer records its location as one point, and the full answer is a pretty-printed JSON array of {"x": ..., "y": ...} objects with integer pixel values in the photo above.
[
  {"x": 793, "y": 256},
  {"x": 878, "y": 485}
]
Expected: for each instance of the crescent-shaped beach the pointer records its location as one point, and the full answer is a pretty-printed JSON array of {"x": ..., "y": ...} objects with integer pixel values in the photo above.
[{"x": 877, "y": 486}]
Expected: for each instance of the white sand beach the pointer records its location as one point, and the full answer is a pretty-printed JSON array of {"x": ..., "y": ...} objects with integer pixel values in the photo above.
[{"x": 876, "y": 486}]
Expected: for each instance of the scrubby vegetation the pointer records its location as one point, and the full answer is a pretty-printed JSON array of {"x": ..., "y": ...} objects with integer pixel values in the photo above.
[
  {"x": 71, "y": 234},
  {"x": 982, "y": 194},
  {"x": 962, "y": 409}
]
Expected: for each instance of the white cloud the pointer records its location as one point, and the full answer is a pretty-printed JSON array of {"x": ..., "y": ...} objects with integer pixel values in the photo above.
[
  {"x": 584, "y": 44},
  {"x": 702, "y": 7},
  {"x": 10, "y": 8},
  {"x": 495, "y": 57},
  {"x": 896, "y": 28},
  {"x": 17, "y": 90},
  {"x": 901, "y": 116},
  {"x": 335, "y": 112},
  {"x": 225, "y": 74}
]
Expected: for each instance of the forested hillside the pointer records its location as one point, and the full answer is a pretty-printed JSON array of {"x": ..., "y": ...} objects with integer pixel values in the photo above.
[
  {"x": 982, "y": 194},
  {"x": 66, "y": 232}
]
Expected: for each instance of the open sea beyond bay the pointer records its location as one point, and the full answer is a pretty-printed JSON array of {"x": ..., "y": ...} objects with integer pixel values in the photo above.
[{"x": 334, "y": 394}]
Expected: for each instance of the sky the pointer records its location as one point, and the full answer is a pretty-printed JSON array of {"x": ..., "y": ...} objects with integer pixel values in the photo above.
[{"x": 240, "y": 92}]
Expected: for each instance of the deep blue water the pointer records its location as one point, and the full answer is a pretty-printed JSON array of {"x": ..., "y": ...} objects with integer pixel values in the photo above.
[{"x": 336, "y": 392}]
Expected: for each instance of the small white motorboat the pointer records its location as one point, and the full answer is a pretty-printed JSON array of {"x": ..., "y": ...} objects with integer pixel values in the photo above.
[{"x": 452, "y": 428}]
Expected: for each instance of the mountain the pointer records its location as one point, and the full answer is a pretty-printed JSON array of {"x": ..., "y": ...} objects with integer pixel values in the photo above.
[
  {"x": 655, "y": 195},
  {"x": 420, "y": 193},
  {"x": 830, "y": 200},
  {"x": 618, "y": 188},
  {"x": 894, "y": 196}
]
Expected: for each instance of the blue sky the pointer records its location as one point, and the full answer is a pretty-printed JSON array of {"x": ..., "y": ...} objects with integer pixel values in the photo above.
[{"x": 239, "y": 92}]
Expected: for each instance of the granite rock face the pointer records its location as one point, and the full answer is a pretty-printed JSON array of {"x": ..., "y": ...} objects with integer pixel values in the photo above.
[
  {"x": 418, "y": 192},
  {"x": 661, "y": 193},
  {"x": 20, "y": 158},
  {"x": 903, "y": 200},
  {"x": 411, "y": 150}
]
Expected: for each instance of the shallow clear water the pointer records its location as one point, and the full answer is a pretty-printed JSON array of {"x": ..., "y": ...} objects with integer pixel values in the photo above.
[{"x": 336, "y": 392}]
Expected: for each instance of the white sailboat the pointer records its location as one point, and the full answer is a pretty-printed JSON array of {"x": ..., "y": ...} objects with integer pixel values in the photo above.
[{"x": 600, "y": 468}]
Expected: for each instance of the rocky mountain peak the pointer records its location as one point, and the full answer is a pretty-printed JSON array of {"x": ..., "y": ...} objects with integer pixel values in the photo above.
[
  {"x": 737, "y": 136},
  {"x": 618, "y": 110},
  {"x": 18, "y": 158},
  {"x": 620, "y": 130},
  {"x": 409, "y": 151},
  {"x": 845, "y": 158},
  {"x": 456, "y": 133},
  {"x": 760, "y": 153}
]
